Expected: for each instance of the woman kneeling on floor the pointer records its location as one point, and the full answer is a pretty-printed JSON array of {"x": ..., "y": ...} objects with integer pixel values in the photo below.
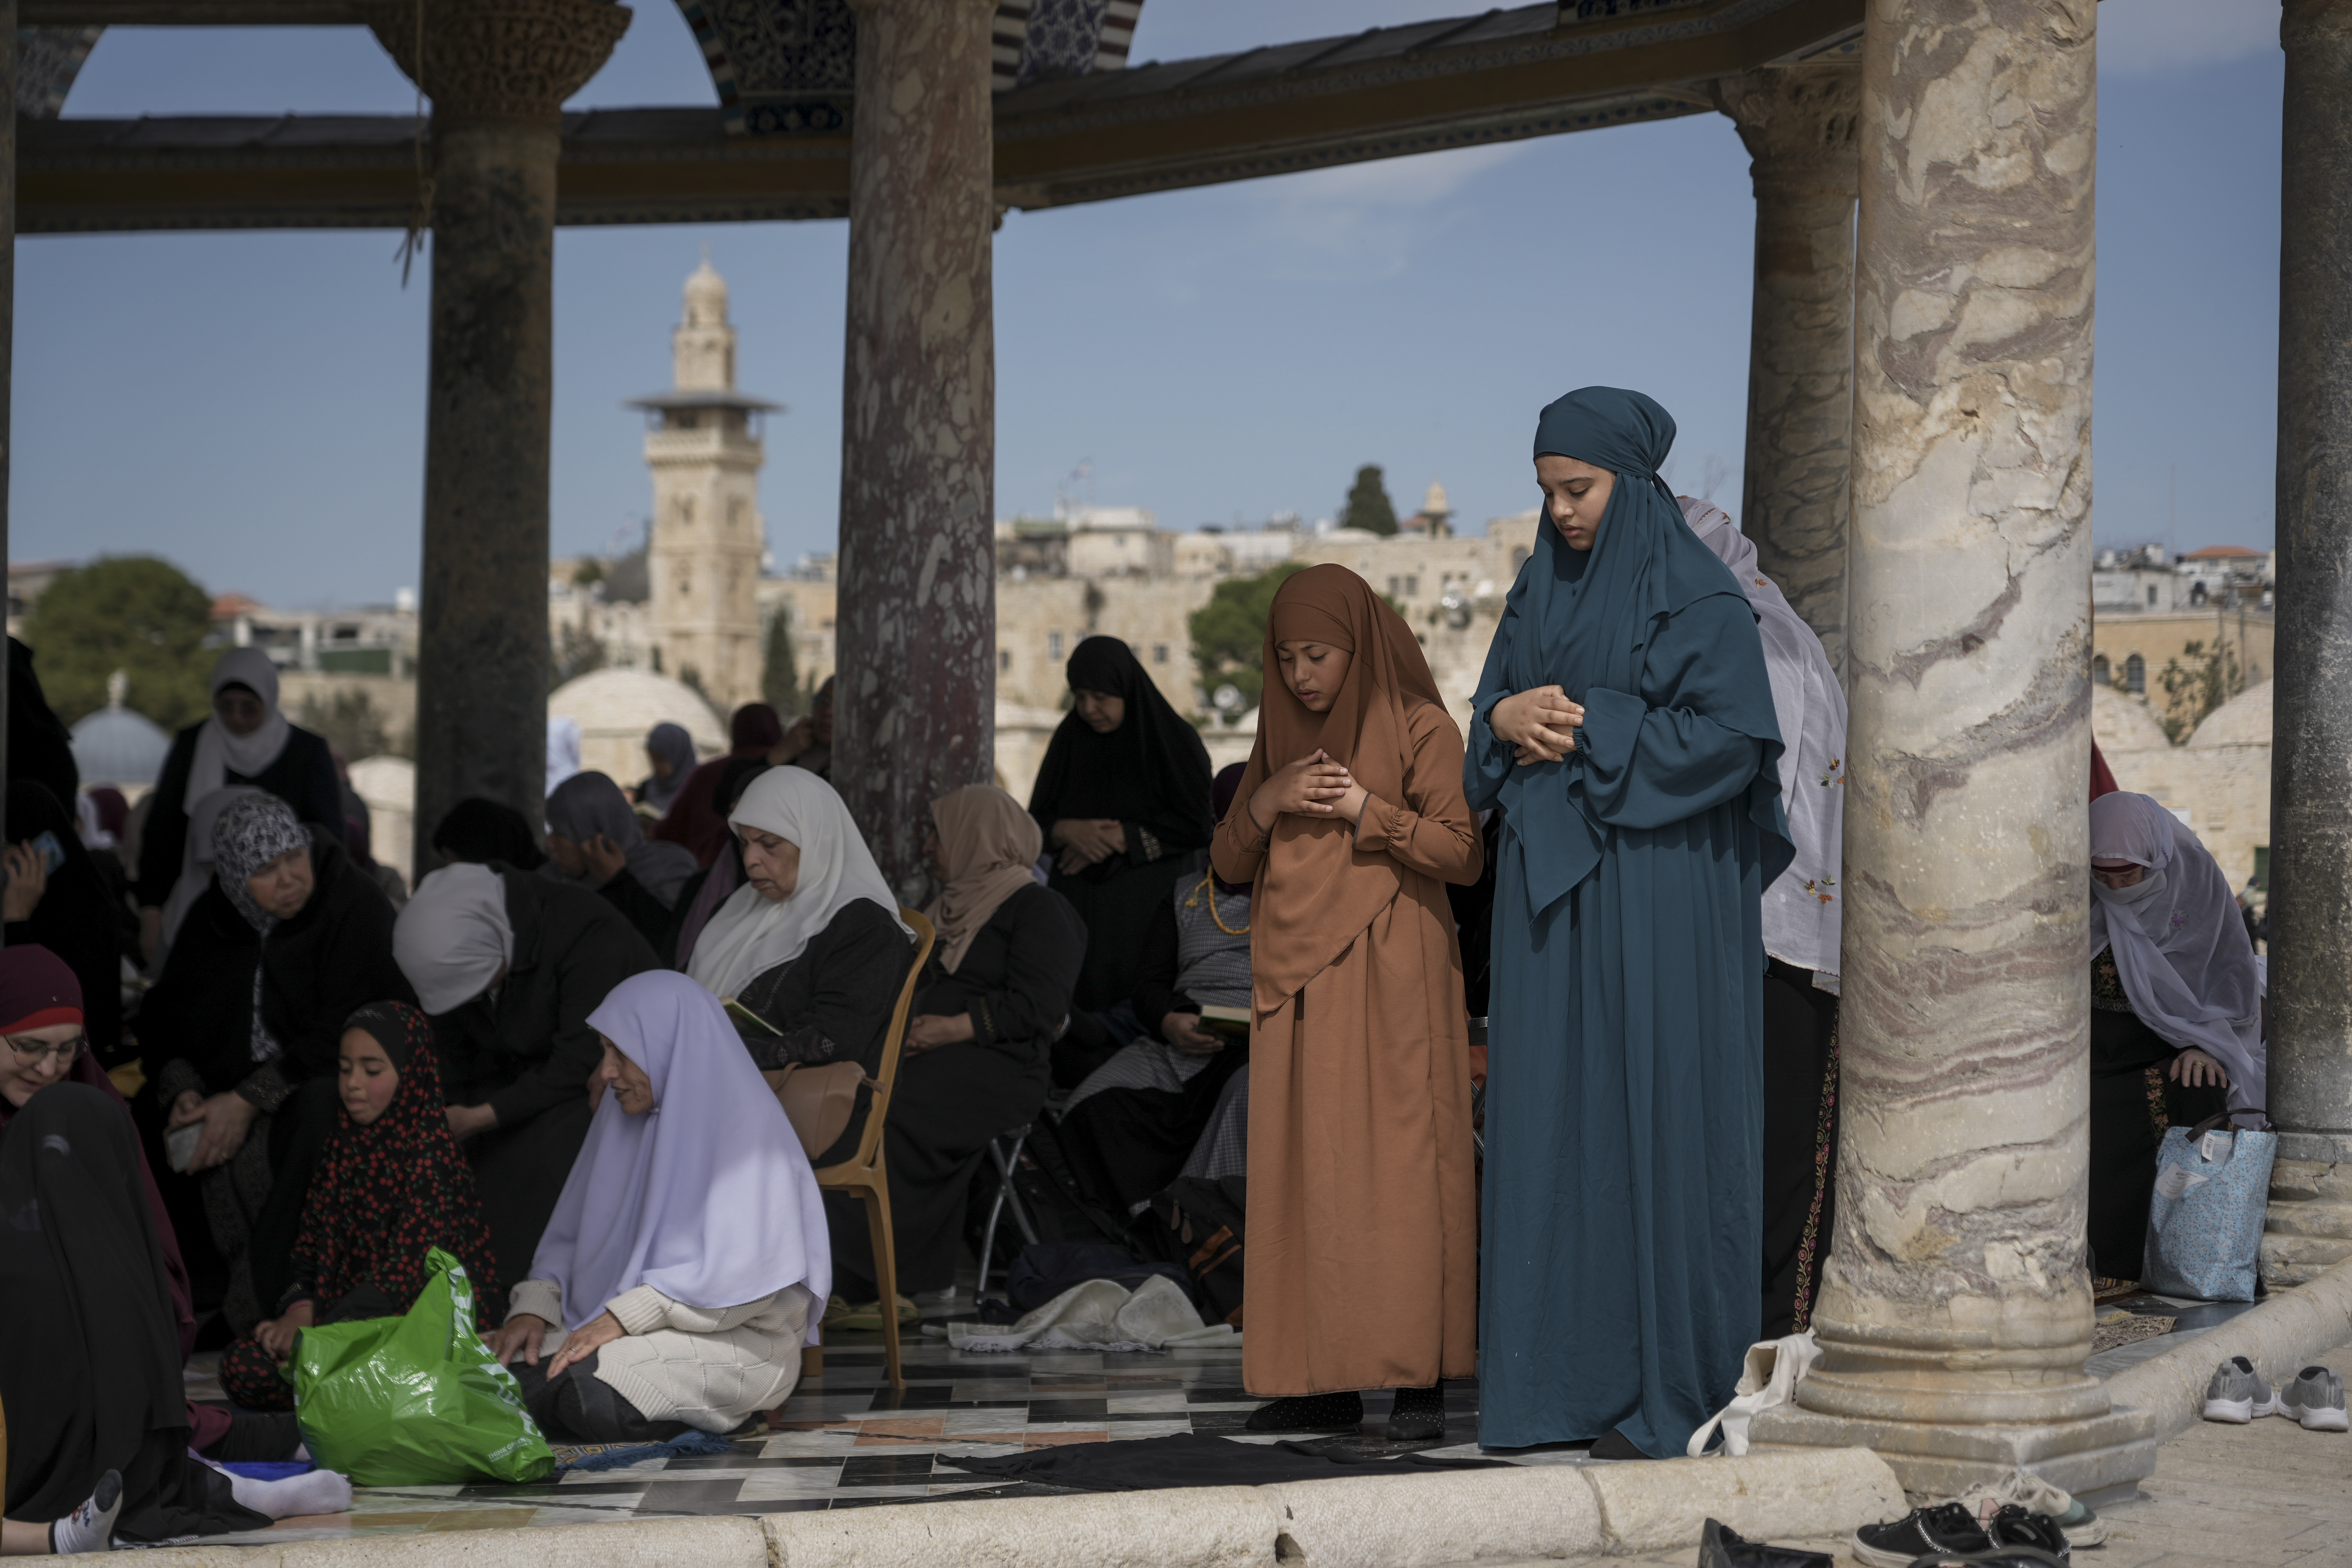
[
  {"x": 689, "y": 1243},
  {"x": 391, "y": 1186}
]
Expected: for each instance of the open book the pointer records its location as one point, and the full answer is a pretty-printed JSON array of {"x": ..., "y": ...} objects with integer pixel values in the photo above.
[
  {"x": 1226, "y": 1023},
  {"x": 743, "y": 1016}
]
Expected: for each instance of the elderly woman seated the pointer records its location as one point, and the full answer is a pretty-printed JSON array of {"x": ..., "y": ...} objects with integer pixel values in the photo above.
[
  {"x": 976, "y": 1059},
  {"x": 241, "y": 1033},
  {"x": 677, "y": 1282},
  {"x": 595, "y": 841},
  {"x": 509, "y": 965},
  {"x": 2176, "y": 1010}
]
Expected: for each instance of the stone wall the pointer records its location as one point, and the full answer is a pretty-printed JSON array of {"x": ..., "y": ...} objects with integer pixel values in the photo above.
[
  {"x": 2158, "y": 638},
  {"x": 2222, "y": 777}
]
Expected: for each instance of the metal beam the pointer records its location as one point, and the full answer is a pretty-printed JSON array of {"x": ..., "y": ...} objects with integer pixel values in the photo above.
[{"x": 1505, "y": 76}]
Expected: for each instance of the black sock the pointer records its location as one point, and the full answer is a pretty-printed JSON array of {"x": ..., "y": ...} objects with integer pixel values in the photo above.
[
  {"x": 252, "y": 1436},
  {"x": 1309, "y": 1413},
  {"x": 1421, "y": 1401}
]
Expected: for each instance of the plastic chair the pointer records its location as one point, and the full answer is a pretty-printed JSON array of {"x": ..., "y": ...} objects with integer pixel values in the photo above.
[
  {"x": 862, "y": 1175},
  {"x": 1006, "y": 1158}
]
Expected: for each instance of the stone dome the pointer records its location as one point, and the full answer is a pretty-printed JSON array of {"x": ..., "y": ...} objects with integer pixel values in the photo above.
[
  {"x": 2121, "y": 722},
  {"x": 2243, "y": 721},
  {"x": 116, "y": 746},
  {"x": 616, "y": 708}
]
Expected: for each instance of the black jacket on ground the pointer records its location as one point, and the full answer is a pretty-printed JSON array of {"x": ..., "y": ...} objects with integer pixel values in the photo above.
[
  {"x": 303, "y": 776},
  {"x": 323, "y": 965}
]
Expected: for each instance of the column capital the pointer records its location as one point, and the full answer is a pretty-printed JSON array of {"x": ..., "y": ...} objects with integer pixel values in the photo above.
[
  {"x": 1799, "y": 123},
  {"x": 498, "y": 59}
]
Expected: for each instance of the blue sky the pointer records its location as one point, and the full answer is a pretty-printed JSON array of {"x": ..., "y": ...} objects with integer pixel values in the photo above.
[{"x": 252, "y": 405}]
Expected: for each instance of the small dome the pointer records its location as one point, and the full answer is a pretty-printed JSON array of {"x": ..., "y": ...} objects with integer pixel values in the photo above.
[
  {"x": 2120, "y": 722},
  {"x": 706, "y": 296},
  {"x": 2243, "y": 721},
  {"x": 615, "y": 709},
  {"x": 116, "y": 746}
]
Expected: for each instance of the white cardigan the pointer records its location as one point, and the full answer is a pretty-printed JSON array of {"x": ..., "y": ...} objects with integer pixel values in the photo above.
[{"x": 709, "y": 1367}]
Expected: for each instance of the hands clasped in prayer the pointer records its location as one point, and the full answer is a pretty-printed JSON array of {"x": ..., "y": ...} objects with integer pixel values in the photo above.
[{"x": 1539, "y": 725}]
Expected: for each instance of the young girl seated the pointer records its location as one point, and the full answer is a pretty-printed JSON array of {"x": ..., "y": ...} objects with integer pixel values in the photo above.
[{"x": 391, "y": 1185}]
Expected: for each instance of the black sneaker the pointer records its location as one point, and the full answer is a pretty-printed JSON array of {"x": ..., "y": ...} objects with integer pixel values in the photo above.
[
  {"x": 2012, "y": 1526},
  {"x": 1719, "y": 1547},
  {"x": 1947, "y": 1528}
]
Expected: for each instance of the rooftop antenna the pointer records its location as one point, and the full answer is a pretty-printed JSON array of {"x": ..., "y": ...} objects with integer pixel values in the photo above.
[{"x": 2172, "y": 515}]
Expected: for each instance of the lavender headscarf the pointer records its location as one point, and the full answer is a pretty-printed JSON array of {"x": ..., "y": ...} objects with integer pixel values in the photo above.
[
  {"x": 2181, "y": 948},
  {"x": 707, "y": 1197}
]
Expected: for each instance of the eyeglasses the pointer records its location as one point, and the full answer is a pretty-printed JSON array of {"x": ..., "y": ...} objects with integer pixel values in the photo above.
[{"x": 30, "y": 1052}]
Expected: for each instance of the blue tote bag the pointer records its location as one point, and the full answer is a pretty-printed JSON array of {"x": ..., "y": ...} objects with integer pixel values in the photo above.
[{"x": 2205, "y": 1218}]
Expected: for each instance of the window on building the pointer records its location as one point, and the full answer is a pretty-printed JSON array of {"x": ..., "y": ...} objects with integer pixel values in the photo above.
[
  {"x": 1004, "y": 661},
  {"x": 2135, "y": 676},
  {"x": 2151, "y": 596},
  {"x": 1053, "y": 645},
  {"x": 2196, "y": 593},
  {"x": 686, "y": 510},
  {"x": 1412, "y": 586},
  {"x": 2100, "y": 674},
  {"x": 1159, "y": 653}
]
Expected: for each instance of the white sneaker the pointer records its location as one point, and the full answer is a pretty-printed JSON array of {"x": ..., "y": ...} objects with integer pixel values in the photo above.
[
  {"x": 2238, "y": 1393},
  {"x": 2316, "y": 1400}
]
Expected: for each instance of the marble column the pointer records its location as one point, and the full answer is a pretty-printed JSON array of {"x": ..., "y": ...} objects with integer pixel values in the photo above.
[
  {"x": 2310, "y": 1090},
  {"x": 914, "y": 704},
  {"x": 1955, "y": 1312},
  {"x": 498, "y": 72},
  {"x": 1799, "y": 124}
]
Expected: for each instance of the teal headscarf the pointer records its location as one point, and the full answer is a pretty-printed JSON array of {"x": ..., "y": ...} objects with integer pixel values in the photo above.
[{"x": 1585, "y": 619}]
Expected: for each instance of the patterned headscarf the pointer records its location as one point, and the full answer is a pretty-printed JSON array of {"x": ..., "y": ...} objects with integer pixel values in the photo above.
[
  {"x": 250, "y": 834},
  {"x": 387, "y": 1192}
]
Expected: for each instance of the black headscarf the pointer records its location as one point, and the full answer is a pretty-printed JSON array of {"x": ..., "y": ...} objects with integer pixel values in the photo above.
[
  {"x": 1152, "y": 770},
  {"x": 90, "y": 1364},
  {"x": 481, "y": 831}
]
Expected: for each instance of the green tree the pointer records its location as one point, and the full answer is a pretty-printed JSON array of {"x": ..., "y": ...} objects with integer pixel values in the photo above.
[
  {"x": 1229, "y": 632},
  {"x": 136, "y": 614},
  {"x": 571, "y": 652},
  {"x": 779, "y": 672},
  {"x": 1367, "y": 506},
  {"x": 2198, "y": 682}
]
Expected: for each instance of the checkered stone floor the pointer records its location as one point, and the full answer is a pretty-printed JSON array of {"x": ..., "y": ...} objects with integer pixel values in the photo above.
[{"x": 845, "y": 1439}]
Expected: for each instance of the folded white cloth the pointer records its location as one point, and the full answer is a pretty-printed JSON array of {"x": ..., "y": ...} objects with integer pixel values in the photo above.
[
  {"x": 1101, "y": 1315},
  {"x": 1768, "y": 1377}
]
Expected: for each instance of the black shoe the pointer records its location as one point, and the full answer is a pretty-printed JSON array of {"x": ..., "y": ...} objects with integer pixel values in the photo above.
[
  {"x": 1718, "y": 1547},
  {"x": 1309, "y": 1413},
  {"x": 2012, "y": 1526},
  {"x": 1998, "y": 1557},
  {"x": 1418, "y": 1416},
  {"x": 1614, "y": 1445},
  {"x": 1923, "y": 1532}
]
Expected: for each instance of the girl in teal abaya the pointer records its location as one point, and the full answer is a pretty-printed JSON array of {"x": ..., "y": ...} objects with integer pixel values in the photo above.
[{"x": 1624, "y": 725}]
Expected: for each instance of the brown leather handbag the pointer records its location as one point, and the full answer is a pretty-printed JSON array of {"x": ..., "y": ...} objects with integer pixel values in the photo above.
[{"x": 818, "y": 1100}]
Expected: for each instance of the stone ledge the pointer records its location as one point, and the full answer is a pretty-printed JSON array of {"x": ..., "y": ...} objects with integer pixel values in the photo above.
[
  {"x": 1943, "y": 1460},
  {"x": 1530, "y": 1511}
]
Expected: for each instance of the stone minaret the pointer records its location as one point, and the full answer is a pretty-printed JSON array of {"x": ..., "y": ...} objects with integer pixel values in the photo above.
[{"x": 703, "y": 446}]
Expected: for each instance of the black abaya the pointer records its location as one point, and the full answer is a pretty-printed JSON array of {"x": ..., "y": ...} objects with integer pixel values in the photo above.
[
  {"x": 1151, "y": 776},
  {"x": 2133, "y": 1101},
  {"x": 90, "y": 1370},
  {"x": 1801, "y": 1068},
  {"x": 78, "y": 918}
]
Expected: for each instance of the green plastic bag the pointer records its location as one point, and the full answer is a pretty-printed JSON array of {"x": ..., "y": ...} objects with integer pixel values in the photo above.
[{"x": 417, "y": 1400}]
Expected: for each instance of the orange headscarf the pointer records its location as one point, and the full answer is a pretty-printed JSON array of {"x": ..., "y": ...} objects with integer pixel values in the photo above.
[{"x": 1317, "y": 893}]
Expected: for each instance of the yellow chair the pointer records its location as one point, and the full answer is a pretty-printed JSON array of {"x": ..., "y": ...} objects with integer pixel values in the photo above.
[{"x": 862, "y": 1174}]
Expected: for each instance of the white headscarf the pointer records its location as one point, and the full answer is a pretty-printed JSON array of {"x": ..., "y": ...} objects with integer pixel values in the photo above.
[
  {"x": 2180, "y": 940},
  {"x": 218, "y": 750},
  {"x": 750, "y": 935},
  {"x": 562, "y": 750},
  {"x": 453, "y": 936},
  {"x": 1800, "y": 908}
]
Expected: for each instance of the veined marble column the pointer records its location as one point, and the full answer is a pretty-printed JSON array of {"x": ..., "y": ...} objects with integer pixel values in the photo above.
[
  {"x": 1799, "y": 124},
  {"x": 914, "y": 702},
  {"x": 1955, "y": 1312},
  {"x": 498, "y": 72},
  {"x": 2311, "y": 762}
]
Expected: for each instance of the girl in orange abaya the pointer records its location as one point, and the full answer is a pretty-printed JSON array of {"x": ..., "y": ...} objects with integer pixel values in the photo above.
[{"x": 1360, "y": 1258}]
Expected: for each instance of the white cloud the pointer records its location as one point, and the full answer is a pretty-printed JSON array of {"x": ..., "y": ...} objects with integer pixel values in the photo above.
[
  {"x": 2145, "y": 37},
  {"x": 1359, "y": 220}
]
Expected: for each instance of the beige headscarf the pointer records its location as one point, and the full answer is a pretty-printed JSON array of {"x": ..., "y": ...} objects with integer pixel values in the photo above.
[{"x": 987, "y": 843}]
